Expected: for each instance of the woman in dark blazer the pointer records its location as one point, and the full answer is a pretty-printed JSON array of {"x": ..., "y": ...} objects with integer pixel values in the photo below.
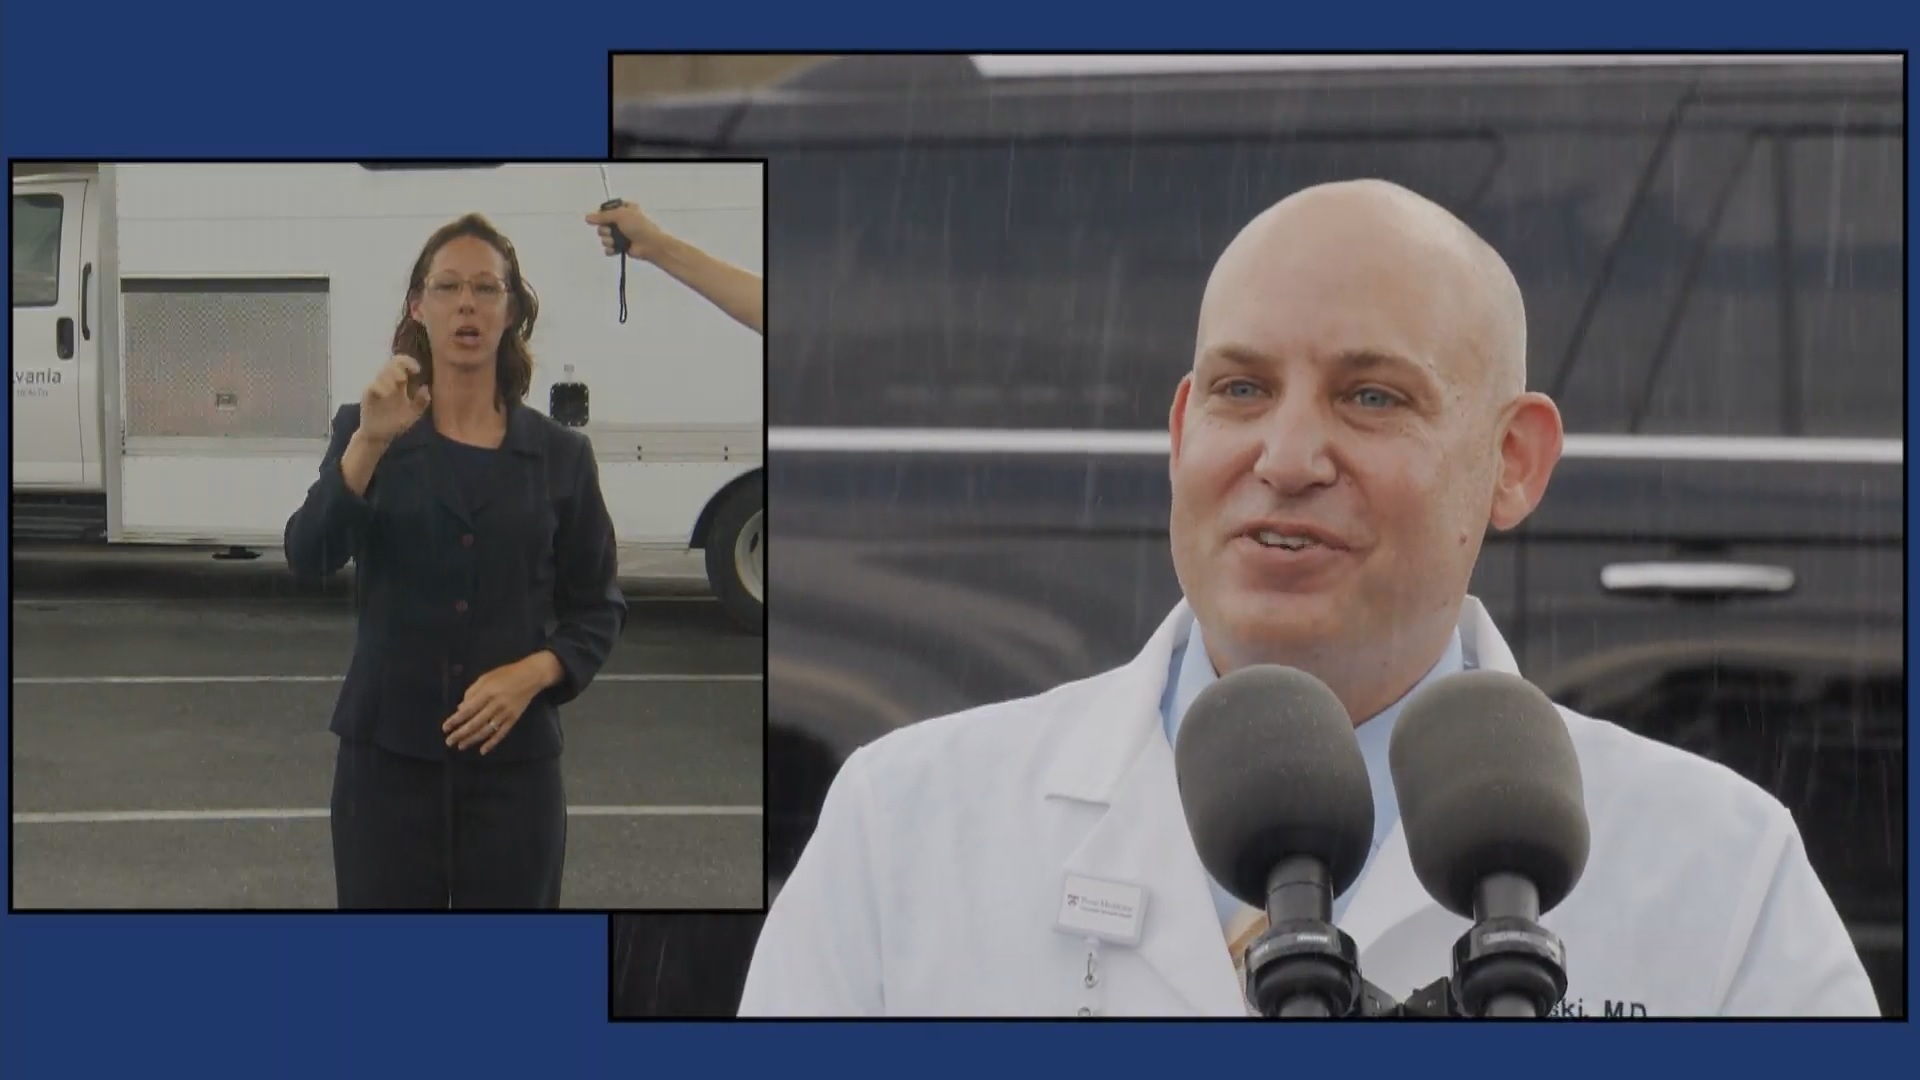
[{"x": 486, "y": 583}]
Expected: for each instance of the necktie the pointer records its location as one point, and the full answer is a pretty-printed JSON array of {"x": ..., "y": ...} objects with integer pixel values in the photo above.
[{"x": 1242, "y": 930}]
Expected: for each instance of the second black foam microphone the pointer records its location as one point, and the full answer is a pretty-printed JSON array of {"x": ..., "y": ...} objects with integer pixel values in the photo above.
[{"x": 1494, "y": 808}]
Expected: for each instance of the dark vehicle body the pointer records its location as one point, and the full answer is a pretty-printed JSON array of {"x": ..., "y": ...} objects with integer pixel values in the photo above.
[{"x": 984, "y": 290}]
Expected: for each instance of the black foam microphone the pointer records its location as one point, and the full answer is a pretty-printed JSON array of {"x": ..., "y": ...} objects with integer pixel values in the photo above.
[
  {"x": 1496, "y": 824},
  {"x": 1277, "y": 800}
]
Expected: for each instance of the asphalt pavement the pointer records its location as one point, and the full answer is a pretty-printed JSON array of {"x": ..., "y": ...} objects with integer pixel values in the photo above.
[{"x": 170, "y": 745}]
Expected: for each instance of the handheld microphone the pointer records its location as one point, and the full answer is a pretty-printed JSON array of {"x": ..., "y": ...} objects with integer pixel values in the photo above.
[
  {"x": 1493, "y": 807},
  {"x": 620, "y": 243},
  {"x": 1276, "y": 797}
]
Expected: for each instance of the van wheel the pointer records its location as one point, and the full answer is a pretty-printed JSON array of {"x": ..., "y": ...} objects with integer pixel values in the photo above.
[{"x": 736, "y": 550}]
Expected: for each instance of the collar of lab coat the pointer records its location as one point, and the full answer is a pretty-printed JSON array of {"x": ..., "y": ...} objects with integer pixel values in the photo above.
[{"x": 1116, "y": 756}]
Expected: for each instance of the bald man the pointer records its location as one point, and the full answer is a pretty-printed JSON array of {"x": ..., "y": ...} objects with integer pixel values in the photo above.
[{"x": 1356, "y": 417}]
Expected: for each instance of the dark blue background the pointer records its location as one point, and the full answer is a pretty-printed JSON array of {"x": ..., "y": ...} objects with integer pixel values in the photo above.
[{"x": 329, "y": 995}]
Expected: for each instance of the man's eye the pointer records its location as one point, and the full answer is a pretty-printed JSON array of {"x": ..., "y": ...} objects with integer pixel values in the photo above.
[
  {"x": 1240, "y": 389},
  {"x": 1376, "y": 398}
]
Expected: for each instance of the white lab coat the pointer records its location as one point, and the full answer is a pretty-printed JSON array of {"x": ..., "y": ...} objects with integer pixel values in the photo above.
[{"x": 933, "y": 882}]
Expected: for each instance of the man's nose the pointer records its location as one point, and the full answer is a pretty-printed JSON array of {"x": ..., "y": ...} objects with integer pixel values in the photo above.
[{"x": 1296, "y": 447}]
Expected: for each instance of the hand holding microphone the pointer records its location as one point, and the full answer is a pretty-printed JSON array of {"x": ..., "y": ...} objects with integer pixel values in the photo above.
[
  {"x": 621, "y": 224},
  {"x": 627, "y": 230},
  {"x": 624, "y": 228}
]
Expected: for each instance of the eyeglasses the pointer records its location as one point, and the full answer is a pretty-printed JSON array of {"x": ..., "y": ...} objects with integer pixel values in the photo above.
[{"x": 486, "y": 290}]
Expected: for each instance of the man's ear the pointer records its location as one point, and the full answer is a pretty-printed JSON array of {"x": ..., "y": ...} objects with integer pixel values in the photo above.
[
  {"x": 1177, "y": 418},
  {"x": 1529, "y": 450}
]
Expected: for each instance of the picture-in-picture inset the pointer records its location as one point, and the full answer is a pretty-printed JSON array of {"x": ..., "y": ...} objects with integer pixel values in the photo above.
[{"x": 388, "y": 535}]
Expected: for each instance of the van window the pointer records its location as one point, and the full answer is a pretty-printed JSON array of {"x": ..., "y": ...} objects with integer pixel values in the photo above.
[
  {"x": 1554, "y": 212},
  {"x": 1756, "y": 293},
  {"x": 1691, "y": 282},
  {"x": 36, "y": 249},
  {"x": 1716, "y": 364},
  {"x": 1056, "y": 284},
  {"x": 1051, "y": 285},
  {"x": 1848, "y": 225}
]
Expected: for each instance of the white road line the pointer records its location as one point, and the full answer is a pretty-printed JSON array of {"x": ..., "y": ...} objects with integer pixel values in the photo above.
[
  {"x": 119, "y": 817},
  {"x": 162, "y": 680}
]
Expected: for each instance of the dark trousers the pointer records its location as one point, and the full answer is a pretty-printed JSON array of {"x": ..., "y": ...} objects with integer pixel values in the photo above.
[{"x": 409, "y": 833}]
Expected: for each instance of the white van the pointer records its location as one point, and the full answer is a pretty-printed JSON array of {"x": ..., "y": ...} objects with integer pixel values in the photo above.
[{"x": 184, "y": 333}]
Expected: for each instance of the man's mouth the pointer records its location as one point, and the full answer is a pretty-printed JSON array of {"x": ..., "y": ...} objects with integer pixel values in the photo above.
[
  {"x": 1286, "y": 541},
  {"x": 1286, "y": 535}
]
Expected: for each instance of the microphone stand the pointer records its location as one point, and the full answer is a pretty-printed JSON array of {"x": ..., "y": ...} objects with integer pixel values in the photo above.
[
  {"x": 1508, "y": 965},
  {"x": 1303, "y": 967},
  {"x": 1435, "y": 1001}
]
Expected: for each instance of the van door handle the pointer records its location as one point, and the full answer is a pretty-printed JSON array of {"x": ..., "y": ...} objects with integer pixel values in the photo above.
[
  {"x": 63, "y": 337},
  {"x": 1696, "y": 579},
  {"x": 86, "y": 324}
]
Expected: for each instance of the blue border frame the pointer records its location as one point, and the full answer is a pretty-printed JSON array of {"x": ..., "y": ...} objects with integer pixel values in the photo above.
[{"x": 286, "y": 995}]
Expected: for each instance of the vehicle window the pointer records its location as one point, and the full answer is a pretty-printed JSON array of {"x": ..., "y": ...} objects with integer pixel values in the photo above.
[
  {"x": 36, "y": 249},
  {"x": 1030, "y": 285},
  {"x": 1848, "y": 228},
  {"x": 1758, "y": 292},
  {"x": 1553, "y": 209},
  {"x": 1715, "y": 364},
  {"x": 1056, "y": 285},
  {"x": 1673, "y": 338}
]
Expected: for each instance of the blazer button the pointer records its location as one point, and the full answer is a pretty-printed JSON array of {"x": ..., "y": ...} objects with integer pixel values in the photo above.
[
  {"x": 460, "y": 606},
  {"x": 467, "y": 540}
]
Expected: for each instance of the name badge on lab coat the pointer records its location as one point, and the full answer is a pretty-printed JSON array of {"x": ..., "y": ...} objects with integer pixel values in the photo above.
[{"x": 1111, "y": 911}]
